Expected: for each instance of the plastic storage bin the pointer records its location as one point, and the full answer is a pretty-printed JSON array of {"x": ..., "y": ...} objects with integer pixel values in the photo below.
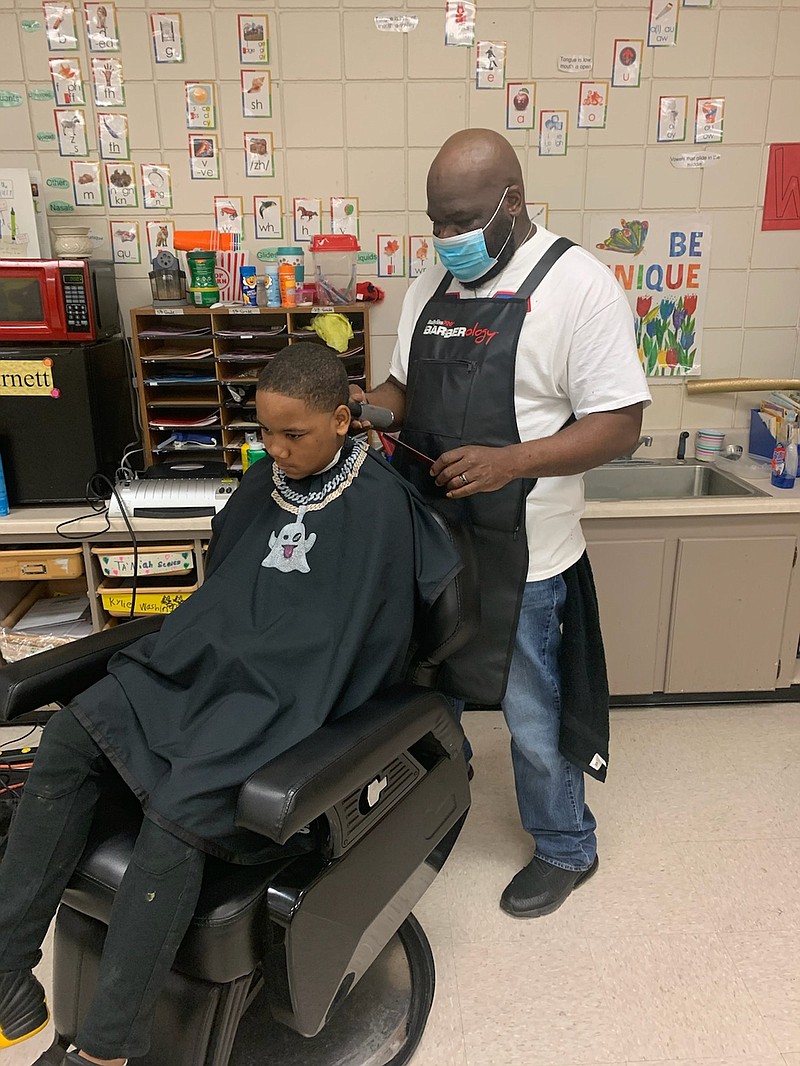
[
  {"x": 154, "y": 560},
  {"x": 160, "y": 598},
  {"x": 41, "y": 564},
  {"x": 335, "y": 265}
]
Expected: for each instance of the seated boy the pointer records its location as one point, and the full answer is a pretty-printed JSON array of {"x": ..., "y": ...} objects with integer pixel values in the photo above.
[{"x": 307, "y": 609}]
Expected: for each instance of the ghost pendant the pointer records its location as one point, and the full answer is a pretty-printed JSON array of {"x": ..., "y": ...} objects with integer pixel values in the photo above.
[{"x": 288, "y": 549}]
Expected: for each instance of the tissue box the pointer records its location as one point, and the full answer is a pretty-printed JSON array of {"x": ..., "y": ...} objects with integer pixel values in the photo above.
[{"x": 762, "y": 443}]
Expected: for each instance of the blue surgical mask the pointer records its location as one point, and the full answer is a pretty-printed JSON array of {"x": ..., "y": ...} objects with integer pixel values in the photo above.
[{"x": 465, "y": 255}]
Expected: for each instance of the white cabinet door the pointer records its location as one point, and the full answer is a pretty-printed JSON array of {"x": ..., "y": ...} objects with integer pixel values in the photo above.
[
  {"x": 634, "y": 611},
  {"x": 728, "y": 613}
]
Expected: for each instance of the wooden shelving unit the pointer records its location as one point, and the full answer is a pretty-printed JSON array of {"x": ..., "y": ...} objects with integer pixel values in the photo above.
[{"x": 196, "y": 371}]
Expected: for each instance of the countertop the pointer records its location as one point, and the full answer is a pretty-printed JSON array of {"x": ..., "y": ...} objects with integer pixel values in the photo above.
[
  {"x": 41, "y": 521},
  {"x": 30, "y": 522}
]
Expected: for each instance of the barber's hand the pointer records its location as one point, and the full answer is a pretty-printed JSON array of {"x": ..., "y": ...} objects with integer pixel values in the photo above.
[
  {"x": 465, "y": 471},
  {"x": 358, "y": 394}
]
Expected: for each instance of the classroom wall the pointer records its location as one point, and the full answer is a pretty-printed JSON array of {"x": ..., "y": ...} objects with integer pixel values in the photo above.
[{"x": 362, "y": 113}]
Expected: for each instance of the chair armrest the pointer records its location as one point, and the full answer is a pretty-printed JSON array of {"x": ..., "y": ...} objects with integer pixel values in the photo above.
[
  {"x": 57, "y": 676},
  {"x": 306, "y": 780}
]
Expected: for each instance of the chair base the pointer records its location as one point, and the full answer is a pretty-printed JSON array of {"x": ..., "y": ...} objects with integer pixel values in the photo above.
[
  {"x": 199, "y": 1024},
  {"x": 379, "y": 1024}
]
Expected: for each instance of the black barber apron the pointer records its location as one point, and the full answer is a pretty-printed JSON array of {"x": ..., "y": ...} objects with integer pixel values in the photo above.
[{"x": 460, "y": 391}]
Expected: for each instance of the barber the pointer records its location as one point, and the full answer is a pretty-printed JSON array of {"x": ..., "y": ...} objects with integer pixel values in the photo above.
[{"x": 516, "y": 370}]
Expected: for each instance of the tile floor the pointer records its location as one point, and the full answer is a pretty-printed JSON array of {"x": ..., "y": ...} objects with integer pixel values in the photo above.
[{"x": 684, "y": 950}]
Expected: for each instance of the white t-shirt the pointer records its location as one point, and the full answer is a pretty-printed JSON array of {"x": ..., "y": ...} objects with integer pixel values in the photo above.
[{"x": 576, "y": 353}]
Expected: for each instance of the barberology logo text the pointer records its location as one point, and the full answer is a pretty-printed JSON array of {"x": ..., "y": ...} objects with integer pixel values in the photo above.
[{"x": 439, "y": 327}]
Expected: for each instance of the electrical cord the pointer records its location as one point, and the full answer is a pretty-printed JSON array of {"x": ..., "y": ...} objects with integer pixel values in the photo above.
[{"x": 93, "y": 497}]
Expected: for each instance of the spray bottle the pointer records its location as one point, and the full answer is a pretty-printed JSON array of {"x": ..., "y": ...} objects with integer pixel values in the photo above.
[
  {"x": 3, "y": 494},
  {"x": 784, "y": 458}
]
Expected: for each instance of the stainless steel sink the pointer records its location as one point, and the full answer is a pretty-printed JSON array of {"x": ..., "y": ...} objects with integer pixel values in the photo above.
[{"x": 644, "y": 479}]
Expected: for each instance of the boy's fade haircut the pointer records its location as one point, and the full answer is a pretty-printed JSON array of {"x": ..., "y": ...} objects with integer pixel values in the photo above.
[{"x": 307, "y": 372}]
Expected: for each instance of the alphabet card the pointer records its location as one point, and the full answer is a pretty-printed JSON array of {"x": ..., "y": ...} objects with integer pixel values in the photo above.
[
  {"x": 259, "y": 161},
  {"x": 662, "y": 27},
  {"x": 490, "y": 65},
  {"x": 67, "y": 82},
  {"x": 167, "y": 31},
  {"x": 256, "y": 93},
  {"x": 709, "y": 118},
  {"x": 782, "y": 192},
  {"x": 101, "y": 26},
  {"x": 520, "y": 105},
  {"x": 201, "y": 105},
  {"x": 126, "y": 249},
  {"x": 121, "y": 185},
  {"x": 204, "y": 156},
  {"x": 391, "y": 256},
  {"x": 420, "y": 255},
  {"x": 345, "y": 215},
  {"x": 661, "y": 260},
  {"x": 112, "y": 135},
  {"x": 156, "y": 187},
  {"x": 71, "y": 132},
  {"x": 268, "y": 216},
  {"x": 59, "y": 20},
  {"x": 307, "y": 212},
  {"x": 229, "y": 214},
  {"x": 109, "y": 86},
  {"x": 459, "y": 23},
  {"x": 592, "y": 105},
  {"x": 672, "y": 118},
  {"x": 627, "y": 69},
  {"x": 86, "y": 186},
  {"x": 553, "y": 128},
  {"x": 160, "y": 238},
  {"x": 253, "y": 39}
]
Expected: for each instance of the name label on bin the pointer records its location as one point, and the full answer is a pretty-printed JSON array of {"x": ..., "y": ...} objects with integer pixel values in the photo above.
[
  {"x": 27, "y": 377},
  {"x": 147, "y": 604},
  {"x": 169, "y": 310}
]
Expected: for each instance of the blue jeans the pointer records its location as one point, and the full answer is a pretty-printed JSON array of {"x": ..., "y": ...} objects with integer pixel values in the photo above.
[{"x": 550, "y": 790}]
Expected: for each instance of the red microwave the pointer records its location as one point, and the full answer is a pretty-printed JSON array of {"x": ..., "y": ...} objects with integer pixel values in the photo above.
[{"x": 57, "y": 300}]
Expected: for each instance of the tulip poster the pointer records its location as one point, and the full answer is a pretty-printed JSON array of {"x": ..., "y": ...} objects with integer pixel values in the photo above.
[{"x": 661, "y": 262}]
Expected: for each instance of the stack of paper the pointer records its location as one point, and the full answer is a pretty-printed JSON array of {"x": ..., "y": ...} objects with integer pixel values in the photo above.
[{"x": 58, "y": 616}]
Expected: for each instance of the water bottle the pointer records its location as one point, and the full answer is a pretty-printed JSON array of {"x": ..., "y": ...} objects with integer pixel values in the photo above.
[{"x": 3, "y": 494}]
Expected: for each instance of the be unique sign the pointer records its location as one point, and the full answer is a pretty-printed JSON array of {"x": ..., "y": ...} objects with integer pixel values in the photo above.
[
  {"x": 661, "y": 262},
  {"x": 27, "y": 377}
]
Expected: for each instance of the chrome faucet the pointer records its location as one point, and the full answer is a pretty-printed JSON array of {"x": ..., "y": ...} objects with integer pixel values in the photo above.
[{"x": 627, "y": 457}]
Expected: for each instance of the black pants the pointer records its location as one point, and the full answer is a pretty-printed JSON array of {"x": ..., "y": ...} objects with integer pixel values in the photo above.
[{"x": 152, "y": 908}]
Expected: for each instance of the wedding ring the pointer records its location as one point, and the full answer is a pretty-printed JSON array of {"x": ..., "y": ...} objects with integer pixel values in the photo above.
[{"x": 464, "y": 478}]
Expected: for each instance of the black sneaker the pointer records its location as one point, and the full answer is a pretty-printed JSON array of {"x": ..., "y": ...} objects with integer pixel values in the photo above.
[
  {"x": 23, "y": 1008},
  {"x": 540, "y": 888}
]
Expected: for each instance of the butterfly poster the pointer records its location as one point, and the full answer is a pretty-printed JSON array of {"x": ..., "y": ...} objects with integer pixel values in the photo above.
[{"x": 661, "y": 261}]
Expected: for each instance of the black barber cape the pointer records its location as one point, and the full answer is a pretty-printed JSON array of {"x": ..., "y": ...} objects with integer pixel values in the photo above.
[{"x": 261, "y": 655}]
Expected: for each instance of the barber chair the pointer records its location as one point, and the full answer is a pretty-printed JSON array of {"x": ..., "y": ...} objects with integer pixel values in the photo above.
[{"x": 320, "y": 943}]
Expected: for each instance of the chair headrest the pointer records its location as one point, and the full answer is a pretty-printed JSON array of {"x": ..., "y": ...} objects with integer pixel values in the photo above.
[{"x": 453, "y": 619}]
